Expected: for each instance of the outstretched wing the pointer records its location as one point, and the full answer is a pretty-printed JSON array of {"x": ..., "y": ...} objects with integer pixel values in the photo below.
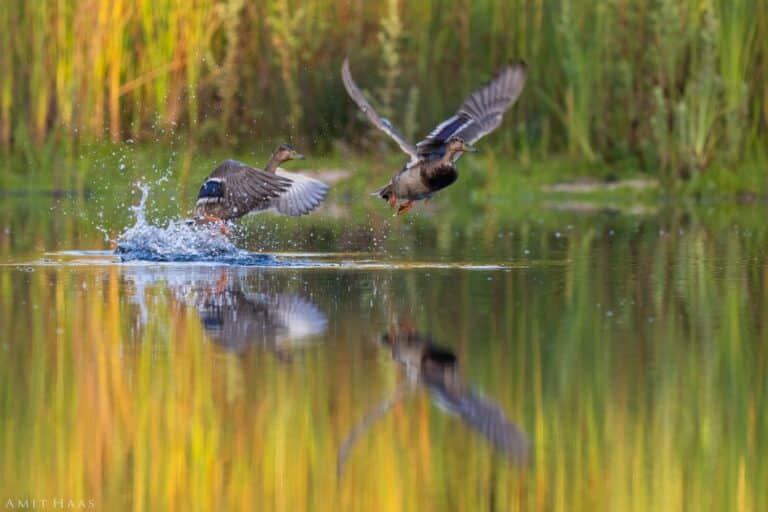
[
  {"x": 485, "y": 417},
  {"x": 378, "y": 121},
  {"x": 241, "y": 187},
  {"x": 296, "y": 317},
  {"x": 482, "y": 112},
  {"x": 304, "y": 195}
]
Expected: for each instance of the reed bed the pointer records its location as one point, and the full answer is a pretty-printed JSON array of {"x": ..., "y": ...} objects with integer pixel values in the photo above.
[{"x": 673, "y": 87}]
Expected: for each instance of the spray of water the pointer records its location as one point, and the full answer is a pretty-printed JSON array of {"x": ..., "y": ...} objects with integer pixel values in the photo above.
[{"x": 178, "y": 240}]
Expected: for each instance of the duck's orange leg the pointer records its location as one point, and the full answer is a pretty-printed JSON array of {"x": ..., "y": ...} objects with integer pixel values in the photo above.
[
  {"x": 392, "y": 200},
  {"x": 407, "y": 326},
  {"x": 222, "y": 223},
  {"x": 221, "y": 284},
  {"x": 404, "y": 208}
]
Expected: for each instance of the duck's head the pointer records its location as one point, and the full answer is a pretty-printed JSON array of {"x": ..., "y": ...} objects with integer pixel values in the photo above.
[
  {"x": 285, "y": 152},
  {"x": 458, "y": 145}
]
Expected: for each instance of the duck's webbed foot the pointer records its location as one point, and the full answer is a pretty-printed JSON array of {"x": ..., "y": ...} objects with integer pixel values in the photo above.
[{"x": 405, "y": 207}]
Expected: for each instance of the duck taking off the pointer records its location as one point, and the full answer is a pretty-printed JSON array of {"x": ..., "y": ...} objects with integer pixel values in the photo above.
[
  {"x": 432, "y": 164},
  {"x": 235, "y": 189}
]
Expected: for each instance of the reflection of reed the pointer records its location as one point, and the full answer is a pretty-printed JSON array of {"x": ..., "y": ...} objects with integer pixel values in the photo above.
[
  {"x": 642, "y": 410},
  {"x": 436, "y": 368}
]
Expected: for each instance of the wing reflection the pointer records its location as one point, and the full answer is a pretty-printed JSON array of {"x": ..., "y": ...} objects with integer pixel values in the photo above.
[{"x": 436, "y": 368}]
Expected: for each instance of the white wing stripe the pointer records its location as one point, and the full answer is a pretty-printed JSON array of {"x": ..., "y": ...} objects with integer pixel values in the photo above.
[
  {"x": 441, "y": 126},
  {"x": 447, "y": 129}
]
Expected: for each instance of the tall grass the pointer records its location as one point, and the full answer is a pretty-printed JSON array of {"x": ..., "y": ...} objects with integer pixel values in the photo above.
[{"x": 671, "y": 86}]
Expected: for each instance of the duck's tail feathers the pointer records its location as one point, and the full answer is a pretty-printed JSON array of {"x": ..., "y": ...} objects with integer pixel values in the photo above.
[{"x": 384, "y": 192}]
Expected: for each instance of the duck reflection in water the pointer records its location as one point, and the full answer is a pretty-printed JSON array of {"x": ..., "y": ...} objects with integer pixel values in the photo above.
[
  {"x": 238, "y": 320},
  {"x": 436, "y": 368},
  {"x": 238, "y": 310}
]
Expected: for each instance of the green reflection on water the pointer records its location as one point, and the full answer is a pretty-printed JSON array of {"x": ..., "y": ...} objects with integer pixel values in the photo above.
[{"x": 629, "y": 351}]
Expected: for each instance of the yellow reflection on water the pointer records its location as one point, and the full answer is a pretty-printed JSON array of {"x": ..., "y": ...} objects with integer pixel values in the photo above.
[{"x": 133, "y": 387}]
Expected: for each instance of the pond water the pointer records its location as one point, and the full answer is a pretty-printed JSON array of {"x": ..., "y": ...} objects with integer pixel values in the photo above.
[{"x": 556, "y": 360}]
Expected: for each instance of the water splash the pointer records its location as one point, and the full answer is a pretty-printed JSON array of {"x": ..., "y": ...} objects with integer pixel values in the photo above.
[{"x": 179, "y": 240}]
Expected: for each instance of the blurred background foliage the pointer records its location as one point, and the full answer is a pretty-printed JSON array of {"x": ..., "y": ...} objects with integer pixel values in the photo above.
[{"x": 669, "y": 87}]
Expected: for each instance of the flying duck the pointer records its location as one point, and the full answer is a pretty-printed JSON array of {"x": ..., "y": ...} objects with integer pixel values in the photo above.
[
  {"x": 432, "y": 164},
  {"x": 235, "y": 189}
]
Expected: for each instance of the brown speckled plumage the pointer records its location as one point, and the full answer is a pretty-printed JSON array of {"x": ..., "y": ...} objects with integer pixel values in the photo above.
[
  {"x": 432, "y": 161},
  {"x": 235, "y": 189}
]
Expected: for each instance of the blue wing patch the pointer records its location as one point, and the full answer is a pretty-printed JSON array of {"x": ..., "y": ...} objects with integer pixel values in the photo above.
[{"x": 211, "y": 188}]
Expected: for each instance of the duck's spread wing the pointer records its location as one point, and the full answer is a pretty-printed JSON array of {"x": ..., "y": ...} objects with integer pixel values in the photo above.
[
  {"x": 482, "y": 112},
  {"x": 242, "y": 186},
  {"x": 298, "y": 317},
  {"x": 484, "y": 417},
  {"x": 304, "y": 195},
  {"x": 378, "y": 121},
  {"x": 291, "y": 317}
]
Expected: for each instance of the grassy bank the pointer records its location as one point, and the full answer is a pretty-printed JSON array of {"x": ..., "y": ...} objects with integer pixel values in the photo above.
[{"x": 111, "y": 169}]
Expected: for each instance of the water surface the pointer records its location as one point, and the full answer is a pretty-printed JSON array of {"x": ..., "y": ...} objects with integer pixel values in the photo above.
[{"x": 550, "y": 361}]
